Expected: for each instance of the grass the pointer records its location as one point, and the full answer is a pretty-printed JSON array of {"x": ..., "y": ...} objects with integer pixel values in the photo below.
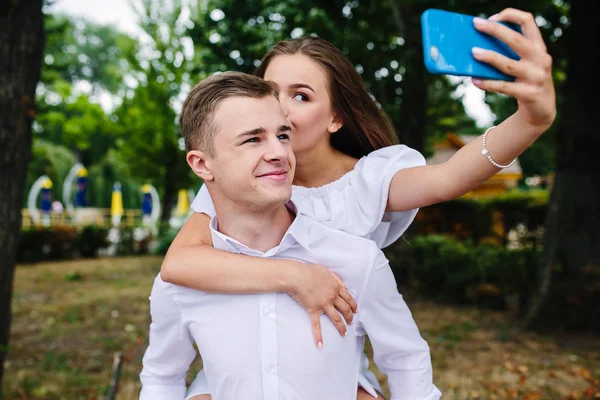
[{"x": 69, "y": 319}]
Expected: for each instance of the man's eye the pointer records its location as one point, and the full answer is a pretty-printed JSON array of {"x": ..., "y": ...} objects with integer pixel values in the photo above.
[
  {"x": 283, "y": 136},
  {"x": 252, "y": 140}
]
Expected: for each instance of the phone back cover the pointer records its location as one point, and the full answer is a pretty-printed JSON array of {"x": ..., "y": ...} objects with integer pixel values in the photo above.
[{"x": 448, "y": 38}]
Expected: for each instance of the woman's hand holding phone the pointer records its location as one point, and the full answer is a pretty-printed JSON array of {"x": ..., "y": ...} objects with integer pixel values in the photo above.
[{"x": 533, "y": 86}]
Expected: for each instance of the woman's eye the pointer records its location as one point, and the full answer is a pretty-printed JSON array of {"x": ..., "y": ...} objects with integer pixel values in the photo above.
[{"x": 300, "y": 97}]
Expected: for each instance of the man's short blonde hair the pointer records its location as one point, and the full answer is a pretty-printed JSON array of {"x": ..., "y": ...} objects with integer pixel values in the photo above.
[{"x": 196, "y": 119}]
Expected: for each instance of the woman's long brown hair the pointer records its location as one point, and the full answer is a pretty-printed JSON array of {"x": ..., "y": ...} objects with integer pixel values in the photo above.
[{"x": 366, "y": 127}]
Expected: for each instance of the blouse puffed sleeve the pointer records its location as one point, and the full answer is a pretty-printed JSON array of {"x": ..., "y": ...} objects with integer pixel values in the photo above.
[{"x": 203, "y": 203}]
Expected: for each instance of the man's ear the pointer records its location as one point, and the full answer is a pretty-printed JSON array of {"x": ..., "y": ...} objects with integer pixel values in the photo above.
[
  {"x": 196, "y": 159},
  {"x": 335, "y": 124}
]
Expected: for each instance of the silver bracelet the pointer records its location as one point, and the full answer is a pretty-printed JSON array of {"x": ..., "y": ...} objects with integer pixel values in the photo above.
[{"x": 486, "y": 152}]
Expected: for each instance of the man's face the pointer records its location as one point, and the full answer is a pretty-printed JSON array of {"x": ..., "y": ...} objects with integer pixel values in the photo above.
[{"x": 253, "y": 163}]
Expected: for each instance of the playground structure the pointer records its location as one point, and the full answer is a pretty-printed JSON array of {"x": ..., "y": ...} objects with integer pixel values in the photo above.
[{"x": 41, "y": 210}]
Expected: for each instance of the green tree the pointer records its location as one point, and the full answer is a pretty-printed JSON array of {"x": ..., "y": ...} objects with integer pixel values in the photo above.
[
  {"x": 236, "y": 34},
  {"x": 149, "y": 141},
  {"x": 21, "y": 45},
  {"x": 74, "y": 121},
  {"x": 553, "y": 19},
  {"x": 569, "y": 277},
  {"x": 78, "y": 50}
]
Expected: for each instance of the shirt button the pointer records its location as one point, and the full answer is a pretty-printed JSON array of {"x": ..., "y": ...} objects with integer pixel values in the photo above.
[
  {"x": 267, "y": 313},
  {"x": 269, "y": 367}
]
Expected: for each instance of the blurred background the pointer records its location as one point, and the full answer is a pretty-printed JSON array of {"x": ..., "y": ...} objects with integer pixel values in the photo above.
[{"x": 504, "y": 283}]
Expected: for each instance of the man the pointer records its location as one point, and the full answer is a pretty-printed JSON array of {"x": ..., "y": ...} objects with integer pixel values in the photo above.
[{"x": 256, "y": 346}]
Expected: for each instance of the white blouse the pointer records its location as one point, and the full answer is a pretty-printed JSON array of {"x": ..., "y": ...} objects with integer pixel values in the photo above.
[{"x": 356, "y": 202}]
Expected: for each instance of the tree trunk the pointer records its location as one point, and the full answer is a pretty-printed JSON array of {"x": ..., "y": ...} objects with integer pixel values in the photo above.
[
  {"x": 21, "y": 47},
  {"x": 569, "y": 286},
  {"x": 170, "y": 184},
  {"x": 413, "y": 115}
]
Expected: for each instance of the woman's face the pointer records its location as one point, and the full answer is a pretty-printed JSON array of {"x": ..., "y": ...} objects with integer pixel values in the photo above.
[{"x": 304, "y": 97}]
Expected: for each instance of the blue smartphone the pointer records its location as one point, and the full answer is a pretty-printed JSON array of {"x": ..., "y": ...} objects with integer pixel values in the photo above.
[{"x": 448, "y": 39}]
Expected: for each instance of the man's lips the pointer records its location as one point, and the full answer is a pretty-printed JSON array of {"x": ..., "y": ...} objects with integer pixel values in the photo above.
[{"x": 278, "y": 175}]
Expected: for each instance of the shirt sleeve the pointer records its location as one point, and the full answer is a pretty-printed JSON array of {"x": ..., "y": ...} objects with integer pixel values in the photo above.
[
  {"x": 399, "y": 351},
  {"x": 203, "y": 203},
  {"x": 371, "y": 187},
  {"x": 170, "y": 351}
]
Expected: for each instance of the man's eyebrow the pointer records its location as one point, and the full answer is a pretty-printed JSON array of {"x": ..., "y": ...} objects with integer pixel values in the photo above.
[
  {"x": 252, "y": 132},
  {"x": 285, "y": 128}
]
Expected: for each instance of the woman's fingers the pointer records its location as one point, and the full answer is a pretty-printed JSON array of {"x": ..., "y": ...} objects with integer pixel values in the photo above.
[
  {"x": 315, "y": 321},
  {"x": 522, "y": 70},
  {"x": 344, "y": 309},
  {"x": 521, "y": 91},
  {"x": 515, "y": 40},
  {"x": 527, "y": 22},
  {"x": 346, "y": 296},
  {"x": 344, "y": 293},
  {"x": 336, "y": 318}
]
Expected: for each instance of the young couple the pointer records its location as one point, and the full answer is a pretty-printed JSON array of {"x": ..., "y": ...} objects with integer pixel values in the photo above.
[{"x": 262, "y": 259}]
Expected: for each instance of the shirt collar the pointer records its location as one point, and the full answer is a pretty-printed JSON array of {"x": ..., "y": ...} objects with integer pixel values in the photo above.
[{"x": 297, "y": 233}]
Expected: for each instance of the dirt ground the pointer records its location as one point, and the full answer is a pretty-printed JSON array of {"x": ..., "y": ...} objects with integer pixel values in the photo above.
[{"x": 70, "y": 318}]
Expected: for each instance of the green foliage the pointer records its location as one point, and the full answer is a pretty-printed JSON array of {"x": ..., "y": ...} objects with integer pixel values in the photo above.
[
  {"x": 60, "y": 243},
  {"x": 91, "y": 239},
  {"x": 554, "y": 19},
  {"x": 487, "y": 220},
  {"x": 82, "y": 61},
  {"x": 235, "y": 35},
  {"x": 73, "y": 121},
  {"x": 459, "y": 272},
  {"x": 73, "y": 277},
  {"x": 49, "y": 159},
  {"x": 79, "y": 50},
  {"x": 165, "y": 239},
  {"x": 39, "y": 244},
  {"x": 149, "y": 142}
]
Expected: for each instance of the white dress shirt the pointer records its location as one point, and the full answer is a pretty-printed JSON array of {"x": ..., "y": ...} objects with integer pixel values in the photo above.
[{"x": 257, "y": 346}]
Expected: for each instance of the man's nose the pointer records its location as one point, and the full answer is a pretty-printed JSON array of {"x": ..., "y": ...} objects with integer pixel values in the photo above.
[{"x": 276, "y": 151}]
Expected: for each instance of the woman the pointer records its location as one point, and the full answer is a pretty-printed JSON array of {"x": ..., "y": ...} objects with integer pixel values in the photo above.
[{"x": 348, "y": 175}]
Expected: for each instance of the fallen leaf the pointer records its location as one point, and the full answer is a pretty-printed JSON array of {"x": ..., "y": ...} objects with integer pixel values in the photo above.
[
  {"x": 533, "y": 396},
  {"x": 492, "y": 387},
  {"x": 574, "y": 395},
  {"x": 523, "y": 369},
  {"x": 509, "y": 366},
  {"x": 532, "y": 345},
  {"x": 585, "y": 373},
  {"x": 522, "y": 380}
]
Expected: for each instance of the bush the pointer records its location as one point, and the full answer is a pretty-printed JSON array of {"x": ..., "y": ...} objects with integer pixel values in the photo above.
[
  {"x": 446, "y": 269},
  {"x": 42, "y": 243},
  {"x": 164, "y": 241},
  {"x": 487, "y": 220},
  {"x": 90, "y": 240}
]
